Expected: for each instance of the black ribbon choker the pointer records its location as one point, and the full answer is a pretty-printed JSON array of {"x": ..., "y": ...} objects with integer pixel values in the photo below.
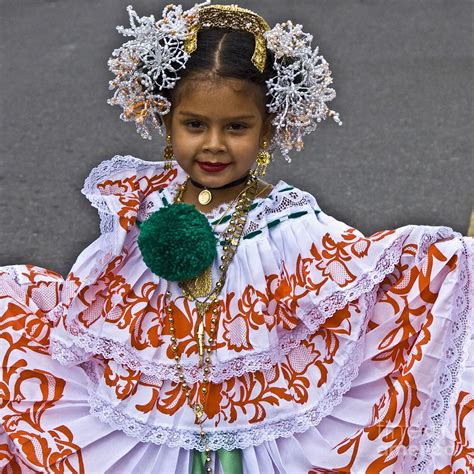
[{"x": 228, "y": 185}]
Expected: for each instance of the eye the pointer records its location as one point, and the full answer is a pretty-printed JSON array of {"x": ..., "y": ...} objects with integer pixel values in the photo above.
[
  {"x": 194, "y": 124},
  {"x": 237, "y": 127}
]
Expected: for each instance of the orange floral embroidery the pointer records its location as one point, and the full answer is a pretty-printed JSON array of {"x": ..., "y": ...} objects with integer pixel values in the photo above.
[
  {"x": 149, "y": 185},
  {"x": 237, "y": 328},
  {"x": 397, "y": 402},
  {"x": 123, "y": 379},
  {"x": 284, "y": 291},
  {"x": 255, "y": 390},
  {"x": 331, "y": 260},
  {"x": 94, "y": 296},
  {"x": 463, "y": 452}
]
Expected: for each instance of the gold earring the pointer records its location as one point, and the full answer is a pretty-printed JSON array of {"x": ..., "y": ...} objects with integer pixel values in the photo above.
[
  {"x": 168, "y": 153},
  {"x": 263, "y": 160}
]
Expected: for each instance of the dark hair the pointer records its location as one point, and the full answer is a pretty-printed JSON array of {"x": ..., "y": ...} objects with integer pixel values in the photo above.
[{"x": 225, "y": 53}]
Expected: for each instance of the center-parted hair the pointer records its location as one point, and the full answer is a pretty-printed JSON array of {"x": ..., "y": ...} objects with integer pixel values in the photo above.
[{"x": 225, "y": 53}]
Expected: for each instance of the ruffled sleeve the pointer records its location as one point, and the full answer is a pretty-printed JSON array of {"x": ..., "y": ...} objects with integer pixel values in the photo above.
[
  {"x": 325, "y": 263},
  {"x": 118, "y": 188},
  {"x": 294, "y": 269}
]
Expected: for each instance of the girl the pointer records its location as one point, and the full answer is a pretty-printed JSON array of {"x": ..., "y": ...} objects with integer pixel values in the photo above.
[{"x": 222, "y": 324}]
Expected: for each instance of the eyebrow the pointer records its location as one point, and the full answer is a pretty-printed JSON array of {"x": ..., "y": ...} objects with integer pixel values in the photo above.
[{"x": 240, "y": 117}]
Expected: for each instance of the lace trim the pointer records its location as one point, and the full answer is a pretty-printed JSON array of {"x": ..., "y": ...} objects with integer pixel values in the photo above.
[
  {"x": 55, "y": 314},
  {"x": 277, "y": 203},
  {"x": 93, "y": 378},
  {"x": 241, "y": 438},
  {"x": 311, "y": 321},
  {"x": 431, "y": 238},
  {"x": 67, "y": 355},
  {"x": 110, "y": 349},
  {"x": 451, "y": 367},
  {"x": 282, "y": 202},
  {"x": 106, "y": 169},
  {"x": 337, "y": 300},
  {"x": 12, "y": 273},
  {"x": 385, "y": 265}
]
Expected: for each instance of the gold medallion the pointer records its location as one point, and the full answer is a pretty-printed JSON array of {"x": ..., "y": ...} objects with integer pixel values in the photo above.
[
  {"x": 205, "y": 197},
  {"x": 201, "y": 285}
]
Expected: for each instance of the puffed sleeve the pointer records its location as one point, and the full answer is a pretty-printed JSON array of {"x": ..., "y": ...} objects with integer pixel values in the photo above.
[{"x": 325, "y": 263}]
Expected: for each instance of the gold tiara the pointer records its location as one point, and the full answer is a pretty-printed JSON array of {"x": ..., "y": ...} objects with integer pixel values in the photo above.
[{"x": 236, "y": 18}]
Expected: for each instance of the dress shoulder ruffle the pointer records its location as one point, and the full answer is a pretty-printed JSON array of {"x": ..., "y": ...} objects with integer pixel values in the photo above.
[{"x": 117, "y": 186}]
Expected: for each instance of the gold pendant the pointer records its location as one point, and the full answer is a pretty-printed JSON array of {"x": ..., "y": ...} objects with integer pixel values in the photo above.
[
  {"x": 200, "y": 340},
  {"x": 198, "y": 412},
  {"x": 205, "y": 197},
  {"x": 201, "y": 285},
  {"x": 202, "y": 307}
]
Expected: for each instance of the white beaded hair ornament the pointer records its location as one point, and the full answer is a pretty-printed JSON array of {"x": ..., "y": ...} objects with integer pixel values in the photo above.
[{"x": 159, "y": 49}]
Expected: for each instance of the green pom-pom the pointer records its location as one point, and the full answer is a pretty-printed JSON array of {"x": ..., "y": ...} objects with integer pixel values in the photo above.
[{"x": 177, "y": 242}]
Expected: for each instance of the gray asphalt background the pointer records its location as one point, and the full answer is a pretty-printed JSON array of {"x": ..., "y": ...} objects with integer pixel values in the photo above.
[{"x": 402, "y": 71}]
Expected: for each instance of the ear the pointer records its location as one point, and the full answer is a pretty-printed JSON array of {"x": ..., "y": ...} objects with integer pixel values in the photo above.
[
  {"x": 268, "y": 129},
  {"x": 166, "y": 119}
]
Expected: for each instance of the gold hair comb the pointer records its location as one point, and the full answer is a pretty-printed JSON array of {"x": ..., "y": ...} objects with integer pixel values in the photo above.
[{"x": 237, "y": 18}]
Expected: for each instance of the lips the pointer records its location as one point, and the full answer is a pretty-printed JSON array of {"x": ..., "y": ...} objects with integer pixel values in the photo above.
[{"x": 212, "y": 167}]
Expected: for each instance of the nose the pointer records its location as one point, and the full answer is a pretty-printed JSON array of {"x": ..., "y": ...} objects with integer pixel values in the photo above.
[{"x": 214, "y": 142}]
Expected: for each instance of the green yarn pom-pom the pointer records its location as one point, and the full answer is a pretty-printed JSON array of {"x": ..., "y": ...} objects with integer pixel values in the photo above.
[{"x": 177, "y": 242}]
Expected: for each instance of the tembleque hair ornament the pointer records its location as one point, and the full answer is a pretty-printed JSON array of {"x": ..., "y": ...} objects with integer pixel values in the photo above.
[{"x": 159, "y": 49}]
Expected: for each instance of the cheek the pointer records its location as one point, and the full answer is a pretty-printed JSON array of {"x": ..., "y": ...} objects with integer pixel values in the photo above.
[
  {"x": 184, "y": 145},
  {"x": 245, "y": 156},
  {"x": 246, "y": 148},
  {"x": 182, "y": 152}
]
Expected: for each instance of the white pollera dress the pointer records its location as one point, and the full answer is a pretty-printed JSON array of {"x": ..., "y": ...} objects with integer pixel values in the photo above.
[{"x": 335, "y": 352}]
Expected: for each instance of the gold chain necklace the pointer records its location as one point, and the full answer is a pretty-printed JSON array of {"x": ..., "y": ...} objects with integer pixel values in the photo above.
[
  {"x": 202, "y": 285},
  {"x": 231, "y": 236},
  {"x": 235, "y": 199}
]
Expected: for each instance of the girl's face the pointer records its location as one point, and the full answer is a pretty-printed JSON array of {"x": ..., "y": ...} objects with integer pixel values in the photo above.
[{"x": 217, "y": 121}]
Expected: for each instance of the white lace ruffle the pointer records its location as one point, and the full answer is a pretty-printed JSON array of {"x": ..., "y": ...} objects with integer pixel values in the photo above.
[
  {"x": 241, "y": 438},
  {"x": 281, "y": 204},
  {"x": 448, "y": 376},
  {"x": 87, "y": 343},
  {"x": 337, "y": 300},
  {"x": 276, "y": 205},
  {"x": 67, "y": 355},
  {"x": 105, "y": 170},
  {"x": 110, "y": 244},
  {"x": 55, "y": 314},
  {"x": 115, "y": 350},
  {"x": 10, "y": 270},
  {"x": 430, "y": 238}
]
